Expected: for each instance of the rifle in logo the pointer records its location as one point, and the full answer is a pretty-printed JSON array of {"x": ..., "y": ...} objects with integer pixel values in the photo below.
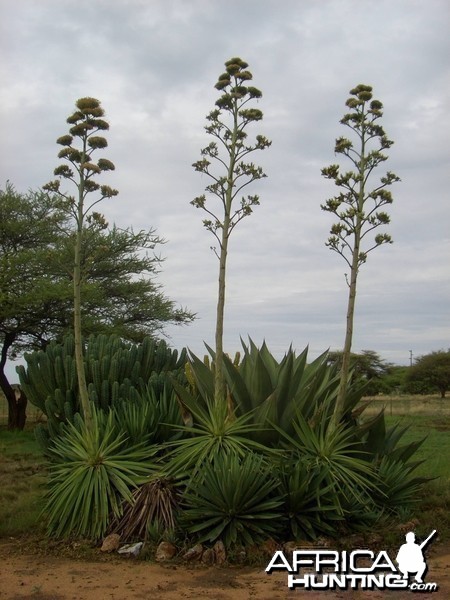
[{"x": 425, "y": 543}]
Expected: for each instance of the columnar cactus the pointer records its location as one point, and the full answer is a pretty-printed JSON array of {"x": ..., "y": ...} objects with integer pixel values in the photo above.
[{"x": 115, "y": 372}]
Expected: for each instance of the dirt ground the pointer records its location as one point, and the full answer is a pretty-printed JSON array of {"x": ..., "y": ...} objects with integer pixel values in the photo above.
[{"x": 52, "y": 578}]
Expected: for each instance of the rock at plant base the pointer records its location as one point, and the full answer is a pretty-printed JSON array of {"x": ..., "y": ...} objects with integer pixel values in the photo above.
[
  {"x": 194, "y": 553},
  {"x": 111, "y": 543},
  {"x": 165, "y": 551},
  {"x": 219, "y": 553},
  {"x": 131, "y": 549},
  {"x": 208, "y": 556}
]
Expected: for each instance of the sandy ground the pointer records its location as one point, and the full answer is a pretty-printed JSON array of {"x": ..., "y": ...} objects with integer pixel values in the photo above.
[{"x": 53, "y": 578}]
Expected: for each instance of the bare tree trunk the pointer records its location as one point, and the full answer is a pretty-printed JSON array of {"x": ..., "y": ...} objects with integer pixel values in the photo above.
[{"x": 16, "y": 399}]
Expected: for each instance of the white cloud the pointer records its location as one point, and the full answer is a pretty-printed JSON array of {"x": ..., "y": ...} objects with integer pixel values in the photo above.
[{"x": 154, "y": 65}]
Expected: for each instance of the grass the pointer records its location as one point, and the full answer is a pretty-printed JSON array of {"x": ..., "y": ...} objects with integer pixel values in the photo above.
[
  {"x": 433, "y": 508},
  {"x": 22, "y": 478},
  {"x": 436, "y": 448}
]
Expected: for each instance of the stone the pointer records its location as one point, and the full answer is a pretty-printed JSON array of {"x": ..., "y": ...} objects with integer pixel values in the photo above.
[
  {"x": 219, "y": 553},
  {"x": 323, "y": 542},
  {"x": 194, "y": 553},
  {"x": 131, "y": 549},
  {"x": 111, "y": 543},
  {"x": 208, "y": 556},
  {"x": 165, "y": 551},
  {"x": 241, "y": 557}
]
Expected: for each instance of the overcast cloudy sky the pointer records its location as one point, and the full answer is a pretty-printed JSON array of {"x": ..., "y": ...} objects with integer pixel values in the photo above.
[{"x": 153, "y": 64}]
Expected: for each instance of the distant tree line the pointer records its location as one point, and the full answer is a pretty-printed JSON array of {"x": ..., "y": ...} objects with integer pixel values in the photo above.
[{"x": 430, "y": 373}]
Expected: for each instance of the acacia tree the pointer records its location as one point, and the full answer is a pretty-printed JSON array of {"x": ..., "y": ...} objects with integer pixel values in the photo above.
[
  {"x": 225, "y": 162},
  {"x": 29, "y": 293},
  {"x": 358, "y": 205},
  {"x": 368, "y": 364},
  {"x": 433, "y": 370},
  {"x": 119, "y": 292},
  {"x": 78, "y": 149}
]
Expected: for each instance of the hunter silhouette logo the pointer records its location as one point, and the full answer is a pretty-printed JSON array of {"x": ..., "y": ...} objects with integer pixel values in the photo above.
[
  {"x": 410, "y": 557},
  {"x": 357, "y": 569}
]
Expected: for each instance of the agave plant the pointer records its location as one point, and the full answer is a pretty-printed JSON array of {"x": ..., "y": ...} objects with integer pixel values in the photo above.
[
  {"x": 149, "y": 416},
  {"x": 237, "y": 501},
  {"x": 92, "y": 472},
  {"x": 212, "y": 433},
  {"x": 329, "y": 478},
  {"x": 309, "y": 505},
  {"x": 271, "y": 392},
  {"x": 335, "y": 457},
  {"x": 398, "y": 486}
]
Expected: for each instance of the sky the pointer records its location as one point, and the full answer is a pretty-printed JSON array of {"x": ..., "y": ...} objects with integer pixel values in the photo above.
[{"x": 153, "y": 66}]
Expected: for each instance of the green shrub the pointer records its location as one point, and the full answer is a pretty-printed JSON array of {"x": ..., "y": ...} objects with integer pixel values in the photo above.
[
  {"x": 270, "y": 392},
  {"x": 212, "y": 433},
  {"x": 309, "y": 506},
  {"x": 237, "y": 501},
  {"x": 149, "y": 416},
  {"x": 264, "y": 463},
  {"x": 92, "y": 471},
  {"x": 330, "y": 479}
]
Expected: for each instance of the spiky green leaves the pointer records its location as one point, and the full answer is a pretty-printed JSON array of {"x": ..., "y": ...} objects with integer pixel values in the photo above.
[
  {"x": 93, "y": 471},
  {"x": 238, "y": 501}
]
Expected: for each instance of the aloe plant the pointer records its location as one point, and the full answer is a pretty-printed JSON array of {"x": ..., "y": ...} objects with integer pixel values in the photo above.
[
  {"x": 238, "y": 501},
  {"x": 309, "y": 505},
  {"x": 211, "y": 433},
  {"x": 93, "y": 470},
  {"x": 333, "y": 454}
]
